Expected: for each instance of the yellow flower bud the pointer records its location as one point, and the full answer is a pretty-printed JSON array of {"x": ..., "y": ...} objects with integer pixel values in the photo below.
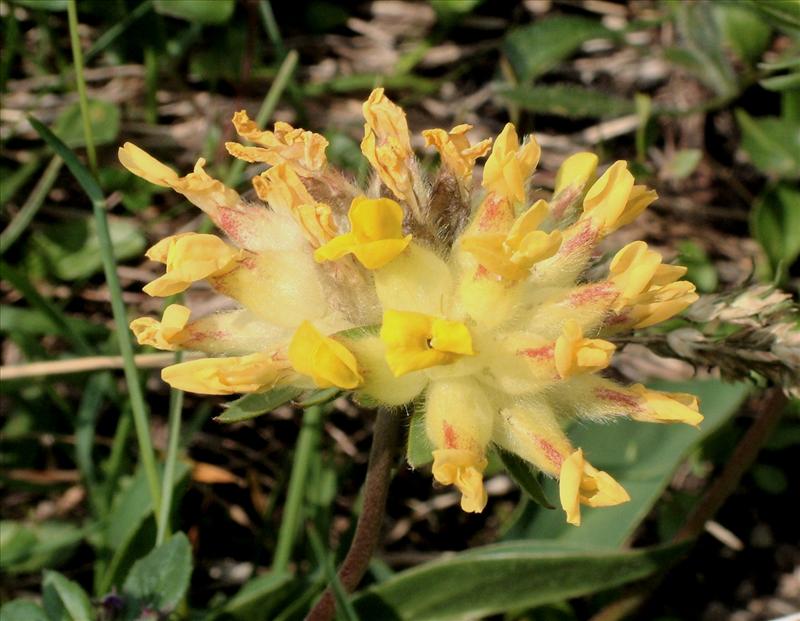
[
  {"x": 660, "y": 304},
  {"x": 415, "y": 341},
  {"x": 575, "y": 354},
  {"x": 190, "y": 257},
  {"x": 458, "y": 421},
  {"x": 581, "y": 483},
  {"x": 455, "y": 151},
  {"x": 510, "y": 165},
  {"x": 325, "y": 360},
  {"x": 227, "y": 376},
  {"x": 166, "y": 334},
  {"x": 375, "y": 237}
]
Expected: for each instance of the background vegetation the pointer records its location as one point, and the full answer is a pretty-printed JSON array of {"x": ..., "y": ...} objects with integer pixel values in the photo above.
[{"x": 704, "y": 97}]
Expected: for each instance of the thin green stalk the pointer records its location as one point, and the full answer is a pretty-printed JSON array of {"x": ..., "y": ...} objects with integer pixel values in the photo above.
[
  {"x": 267, "y": 109},
  {"x": 151, "y": 84},
  {"x": 271, "y": 26},
  {"x": 343, "y": 603},
  {"x": 14, "y": 181},
  {"x": 35, "y": 200},
  {"x": 168, "y": 481},
  {"x": 77, "y": 59},
  {"x": 111, "y": 35},
  {"x": 290, "y": 524}
]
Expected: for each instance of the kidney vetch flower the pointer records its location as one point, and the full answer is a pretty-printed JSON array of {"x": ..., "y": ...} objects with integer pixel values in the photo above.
[{"x": 469, "y": 302}]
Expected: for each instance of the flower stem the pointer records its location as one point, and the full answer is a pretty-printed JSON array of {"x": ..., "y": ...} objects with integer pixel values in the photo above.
[
  {"x": 167, "y": 481},
  {"x": 385, "y": 441},
  {"x": 77, "y": 60},
  {"x": 306, "y": 443}
]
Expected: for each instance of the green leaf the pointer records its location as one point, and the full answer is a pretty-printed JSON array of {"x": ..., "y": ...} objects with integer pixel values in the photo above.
[
  {"x": 103, "y": 116},
  {"x": 251, "y": 406},
  {"x": 775, "y": 223},
  {"x": 198, "y": 11},
  {"x": 781, "y": 83},
  {"x": 320, "y": 397},
  {"x": 31, "y": 547},
  {"x": 495, "y": 579},
  {"x": 71, "y": 249},
  {"x": 782, "y": 13},
  {"x": 743, "y": 30},
  {"x": 568, "y": 100},
  {"x": 642, "y": 457},
  {"x": 43, "y": 5},
  {"x": 772, "y": 144},
  {"x": 682, "y": 164},
  {"x": 521, "y": 472},
  {"x": 130, "y": 528},
  {"x": 256, "y": 597},
  {"x": 419, "y": 450},
  {"x": 535, "y": 49},
  {"x": 22, "y": 610},
  {"x": 160, "y": 580},
  {"x": 65, "y": 600}
]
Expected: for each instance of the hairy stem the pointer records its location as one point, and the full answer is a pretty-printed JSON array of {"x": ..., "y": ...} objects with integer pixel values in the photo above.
[{"x": 376, "y": 488}]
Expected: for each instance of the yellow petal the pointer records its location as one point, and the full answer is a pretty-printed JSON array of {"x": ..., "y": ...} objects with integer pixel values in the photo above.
[
  {"x": 144, "y": 165},
  {"x": 325, "y": 360},
  {"x": 416, "y": 341},
  {"x": 190, "y": 257},
  {"x": 226, "y": 376},
  {"x": 527, "y": 223},
  {"x": 665, "y": 407},
  {"x": 509, "y": 165},
  {"x": 577, "y": 170},
  {"x": 455, "y": 150},
  {"x": 606, "y": 199},
  {"x": 376, "y": 235},
  {"x": 581, "y": 483},
  {"x": 575, "y": 354},
  {"x": 464, "y": 469},
  {"x": 166, "y": 334}
]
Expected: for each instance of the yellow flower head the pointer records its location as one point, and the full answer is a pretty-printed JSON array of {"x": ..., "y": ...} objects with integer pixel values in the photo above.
[
  {"x": 375, "y": 237},
  {"x": 458, "y": 303}
]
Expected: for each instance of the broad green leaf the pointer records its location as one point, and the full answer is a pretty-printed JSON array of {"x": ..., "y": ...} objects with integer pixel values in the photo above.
[
  {"x": 103, "y": 117},
  {"x": 743, "y": 30},
  {"x": 256, "y": 597},
  {"x": 251, "y": 406},
  {"x": 701, "y": 47},
  {"x": 22, "y": 610},
  {"x": 535, "y": 49},
  {"x": 772, "y": 144},
  {"x": 160, "y": 580},
  {"x": 775, "y": 223},
  {"x": 521, "y": 472},
  {"x": 31, "y": 547},
  {"x": 568, "y": 100},
  {"x": 781, "y": 83},
  {"x": 642, "y": 457},
  {"x": 131, "y": 530},
  {"x": 71, "y": 249},
  {"x": 198, "y": 11},
  {"x": 65, "y": 600},
  {"x": 495, "y": 579},
  {"x": 419, "y": 450}
]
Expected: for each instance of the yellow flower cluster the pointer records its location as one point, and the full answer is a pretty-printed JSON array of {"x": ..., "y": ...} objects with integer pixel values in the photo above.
[{"x": 493, "y": 328}]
